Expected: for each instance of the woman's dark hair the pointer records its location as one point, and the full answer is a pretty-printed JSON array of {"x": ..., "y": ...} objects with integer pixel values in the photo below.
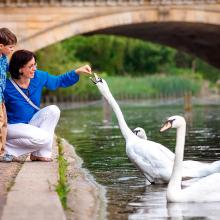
[{"x": 18, "y": 60}]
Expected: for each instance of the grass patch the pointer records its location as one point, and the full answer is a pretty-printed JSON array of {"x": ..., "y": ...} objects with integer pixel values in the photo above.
[
  {"x": 149, "y": 86},
  {"x": 153, "y": 86},
  {"x": 62, "y": 187},
  {"x": 127, "y": 87}
]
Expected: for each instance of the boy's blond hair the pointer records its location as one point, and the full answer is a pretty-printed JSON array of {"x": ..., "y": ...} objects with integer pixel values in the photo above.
[{"x": 7, "y": 37}]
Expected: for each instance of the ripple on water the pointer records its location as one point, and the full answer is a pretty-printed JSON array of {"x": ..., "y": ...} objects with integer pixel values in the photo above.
[
  {"x": 77, "y": 131},
  {"x": 102, "y": 148},
  {"x": 126, "y": 178}
]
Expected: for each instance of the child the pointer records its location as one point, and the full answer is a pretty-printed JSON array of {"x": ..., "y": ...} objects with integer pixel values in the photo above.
[{"x": 7, "y": 44}]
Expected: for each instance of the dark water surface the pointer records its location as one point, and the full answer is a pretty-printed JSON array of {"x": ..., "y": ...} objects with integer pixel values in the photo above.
[{"x": 102, "y": 148}]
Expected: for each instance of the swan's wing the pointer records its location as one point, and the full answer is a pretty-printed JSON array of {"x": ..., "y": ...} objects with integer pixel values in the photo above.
[
  {"x": 199, "y": 169},
  {"x": 160, "y": 150},
  {"x": 204, "y": 190},
  {"x": 215, "y": 166},
  {"x": 163, "y": 160},
  {"x": 166, "y": 152},
  {"x": 148, "y": 156},
  {"x": 144, "y": 166}
]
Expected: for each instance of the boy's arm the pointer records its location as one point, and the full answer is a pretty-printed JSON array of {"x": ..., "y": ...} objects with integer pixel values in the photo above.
[{"x": 7, "y": 66}]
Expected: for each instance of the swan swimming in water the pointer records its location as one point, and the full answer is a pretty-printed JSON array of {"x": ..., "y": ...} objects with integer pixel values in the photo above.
[
  {"x": 198, "y": 169},
  {"x": 140, "y": 132},
  {"x": 206, "y": 189},
  {"x": 153, "y": 159}
]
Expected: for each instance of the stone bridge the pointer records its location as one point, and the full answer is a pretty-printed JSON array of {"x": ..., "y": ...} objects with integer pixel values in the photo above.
[{"x": 189, "y": 25}]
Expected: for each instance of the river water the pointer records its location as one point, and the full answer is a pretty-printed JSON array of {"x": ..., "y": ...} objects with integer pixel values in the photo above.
[{"x": 102, "y": 147}]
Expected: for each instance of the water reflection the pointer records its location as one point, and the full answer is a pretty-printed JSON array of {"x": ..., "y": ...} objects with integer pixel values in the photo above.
[
  {"x": 188, "y": 115},
  {"x": 102, "y": 148},
  {"x": 152, "y": 205},
  {"x": 107, "y": 112}
]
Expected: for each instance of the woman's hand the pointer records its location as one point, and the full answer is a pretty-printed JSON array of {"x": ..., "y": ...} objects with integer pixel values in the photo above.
[{"x": 86, "y": 70}]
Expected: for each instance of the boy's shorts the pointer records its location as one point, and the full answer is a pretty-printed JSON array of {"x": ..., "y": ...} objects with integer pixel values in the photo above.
[{"x": 3, "y": 127}]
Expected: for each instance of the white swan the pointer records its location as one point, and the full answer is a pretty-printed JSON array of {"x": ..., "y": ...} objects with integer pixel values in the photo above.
[
  {"x": 140, "y": 132},
  {"x": 153, "y": 159},
  {"x": 206, "y": 189},
  {"x": 194, "y": 168}
]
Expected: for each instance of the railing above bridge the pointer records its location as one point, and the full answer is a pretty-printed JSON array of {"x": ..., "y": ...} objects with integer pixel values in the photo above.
[{"x": 28, "y": 3}]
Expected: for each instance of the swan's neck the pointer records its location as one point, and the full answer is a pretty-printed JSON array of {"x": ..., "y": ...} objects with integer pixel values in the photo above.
[
  {"x": 176, "y": 177},
  {"x": 125, "y": 130}
]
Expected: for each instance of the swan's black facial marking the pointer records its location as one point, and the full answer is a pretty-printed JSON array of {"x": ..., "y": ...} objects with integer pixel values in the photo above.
[
  {"x": 136, "y": 131},
  {"x": 171, "y": 121},
  {"x": 167, "y": 125},
  {"x": 96, "y": 80},
  {"x": 99, "y": 80},
  {"x": 168, "y": 121}
]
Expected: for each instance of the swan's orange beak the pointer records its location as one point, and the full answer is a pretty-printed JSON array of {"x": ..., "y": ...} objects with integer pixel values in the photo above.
[{"x": 166, "y": 126}]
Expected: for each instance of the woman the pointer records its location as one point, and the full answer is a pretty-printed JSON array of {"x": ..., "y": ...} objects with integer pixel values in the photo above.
[{"x": 31, "y": 130}]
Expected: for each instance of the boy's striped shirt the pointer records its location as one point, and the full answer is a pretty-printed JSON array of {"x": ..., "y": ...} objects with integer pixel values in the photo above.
[{"x": 3, "y": 73}]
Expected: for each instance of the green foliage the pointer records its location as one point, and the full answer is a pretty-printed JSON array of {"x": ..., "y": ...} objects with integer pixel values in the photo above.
[
  {"x": 141, "y": 57},
  {"x": 105, "y": 53},
  {"x": 62, "y": 187},
  {"x": 130, "y": 58},
  {"x": 119, "y": 55},
  {"x": 183, "y": 60},
  {"x": 54, "y": 59},
  {"x": 187, "y": 61},
  {"x": 207, "y": 71}
]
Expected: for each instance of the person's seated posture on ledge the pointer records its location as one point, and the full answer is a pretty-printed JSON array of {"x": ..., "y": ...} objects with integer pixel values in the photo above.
[{"x": 30, "y": 129}]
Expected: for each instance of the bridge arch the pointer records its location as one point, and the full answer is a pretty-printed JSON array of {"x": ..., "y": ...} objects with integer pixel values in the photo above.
[{"x": 193, "y": 29}]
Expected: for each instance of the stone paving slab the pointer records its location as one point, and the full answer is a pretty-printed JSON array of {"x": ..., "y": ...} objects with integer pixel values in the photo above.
[
  {"x": 8, "y": 172},
  {"x": 33, "y": 194}
]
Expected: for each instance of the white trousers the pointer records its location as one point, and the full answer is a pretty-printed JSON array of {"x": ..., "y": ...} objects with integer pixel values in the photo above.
[{"x": 36, "y": 137}]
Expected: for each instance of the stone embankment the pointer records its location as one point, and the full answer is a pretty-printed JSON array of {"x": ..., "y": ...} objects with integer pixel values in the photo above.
[{"x": 27, "y": 190}]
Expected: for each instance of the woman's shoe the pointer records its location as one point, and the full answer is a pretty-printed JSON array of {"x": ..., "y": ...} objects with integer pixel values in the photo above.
[
  {"x": 7, "y": 158},
  {"x": 43, "y": 159}
]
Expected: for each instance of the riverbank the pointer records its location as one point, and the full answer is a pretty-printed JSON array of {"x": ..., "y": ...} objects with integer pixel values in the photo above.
[
  {"x": 86, "y": 199},
  {"x": 204, "y": 100},
  {"x": 32, "y": 193}
]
